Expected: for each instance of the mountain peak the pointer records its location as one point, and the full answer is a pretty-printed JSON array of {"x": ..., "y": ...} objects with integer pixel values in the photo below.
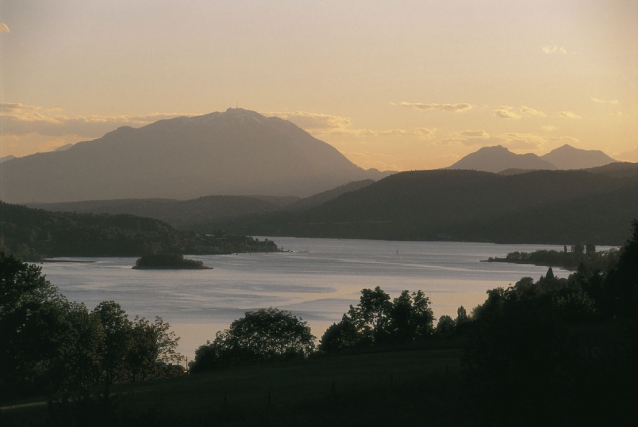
[
  {"x": 498, "y": 158},
  {"x": 568, "y": 157}
]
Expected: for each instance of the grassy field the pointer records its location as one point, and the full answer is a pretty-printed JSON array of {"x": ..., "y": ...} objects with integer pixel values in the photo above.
[{"x": 347, "y": 388}]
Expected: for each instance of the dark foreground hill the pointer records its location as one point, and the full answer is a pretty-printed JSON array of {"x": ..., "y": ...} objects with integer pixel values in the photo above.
[
  {"x": 237, "y": 152},
  {"x": 35, "y": 233},
  {"x": 561, "y": 207}
]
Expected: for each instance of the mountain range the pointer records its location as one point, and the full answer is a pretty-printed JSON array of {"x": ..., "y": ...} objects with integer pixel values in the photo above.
[
  {"x": 237, "y": 152},
  {"x": 498, "y": 158},
  {"x": 560, "y": 207}
]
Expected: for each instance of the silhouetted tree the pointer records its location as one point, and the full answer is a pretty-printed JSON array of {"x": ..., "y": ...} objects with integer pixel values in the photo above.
[{"x": 263, "y": 335}]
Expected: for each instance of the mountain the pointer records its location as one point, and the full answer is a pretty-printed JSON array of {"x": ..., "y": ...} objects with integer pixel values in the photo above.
[
  {"x": 178, "y": 213},
  {"x": 195, "y": 213},
  {"x": 568, "y": 157},
  {"x": 64, "y": 147},
  {"x": 7, "y": 158},
  {"x": 237, "y": 152},
  {"x": 498, "y": 158},
  {"x": 559, "y": 207}
]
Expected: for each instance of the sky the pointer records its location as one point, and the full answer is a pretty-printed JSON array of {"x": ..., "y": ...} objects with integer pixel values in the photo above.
[{"x": 394, "y": 85}]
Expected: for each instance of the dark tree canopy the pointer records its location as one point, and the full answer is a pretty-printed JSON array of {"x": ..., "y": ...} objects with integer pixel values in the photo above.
[
  {"x": 378, "y": 321},
  {"x": 267, "y": 334}
]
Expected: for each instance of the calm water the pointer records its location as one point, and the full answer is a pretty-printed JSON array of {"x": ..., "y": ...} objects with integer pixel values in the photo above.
[{"x": 317, "y": 281}]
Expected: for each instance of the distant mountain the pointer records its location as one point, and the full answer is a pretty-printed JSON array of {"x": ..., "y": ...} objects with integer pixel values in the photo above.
[
  {"x": 237, "y": 152},
  {"x": 568, "y": 157},
  {"x": 560, "y": 207},
  {"x": 326, "y": 196},
  {"x": 498, "y": 158},
  {"x": 64, "y": 147},
  {"x": 7, "y": 158}
]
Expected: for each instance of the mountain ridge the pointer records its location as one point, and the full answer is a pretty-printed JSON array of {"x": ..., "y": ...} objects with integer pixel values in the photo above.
[{"x": 237, "y": 152}]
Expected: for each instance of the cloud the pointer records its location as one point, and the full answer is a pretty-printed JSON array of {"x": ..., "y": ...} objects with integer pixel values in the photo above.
[
  {"x": 20, "y": 119},
  {"x": 568, "y": 115},
  {"x": 455, "y": 108},
  {"x": 551, "y": 49},
  {"x": 565, "y": 139},
  {"x": 549, "y": 128},
  {"x": 4, "y": 28},
  {"x": 306, "y": 120},
  {"x": 602, "y": 101},
  {"x": 325, "y": 124},
  {"x": 532, "y": 112},
  {"x": 515, "y": 141},
  {"x": 505, "y": 112}
]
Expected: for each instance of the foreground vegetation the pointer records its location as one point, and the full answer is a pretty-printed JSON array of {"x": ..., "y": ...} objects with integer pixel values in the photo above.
[{"x": 553, "y": 351}]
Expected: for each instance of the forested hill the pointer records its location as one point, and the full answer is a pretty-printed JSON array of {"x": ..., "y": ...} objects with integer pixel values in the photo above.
[
  {"x": 561, "y": 207},
  {"x": 34, "y": 233}
]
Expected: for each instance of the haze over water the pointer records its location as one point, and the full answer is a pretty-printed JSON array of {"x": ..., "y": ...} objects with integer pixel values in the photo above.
[{"x": 317, "y": 281}]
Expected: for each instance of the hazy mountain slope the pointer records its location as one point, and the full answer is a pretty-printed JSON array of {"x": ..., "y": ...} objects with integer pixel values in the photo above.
[
  {"x": 618, "y": 169},
  {"x": 178, "y": 213},
  {"x": 568, "y": 157},
  {"x": 7, "y": 158},
  {"x": 237, "y": 152},
  {"x": 326, "y": 196},
  {"x": 467, "y": 205},
  {"x": 498, "y": 158}
]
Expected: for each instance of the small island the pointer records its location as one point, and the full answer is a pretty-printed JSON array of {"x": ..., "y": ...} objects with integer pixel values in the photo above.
[{"x": 169, "y": 262}]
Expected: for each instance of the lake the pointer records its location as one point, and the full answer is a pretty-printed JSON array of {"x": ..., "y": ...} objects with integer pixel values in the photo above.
[{"x": 317, "y": 281}]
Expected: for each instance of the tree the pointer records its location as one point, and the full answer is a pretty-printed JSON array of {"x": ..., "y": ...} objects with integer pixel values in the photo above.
[
  {"x": 33, "y": 326},
  {"x": 446, "y": 326},
  {"x": 267, "y": 334},
  {"x": 377, "y": 321},
  {"x": 152, "y": 346},
  {"x": 114, "y": 348}
]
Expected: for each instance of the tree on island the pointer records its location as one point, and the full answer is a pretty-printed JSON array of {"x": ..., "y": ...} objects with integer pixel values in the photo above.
[{"x": 161, "y": 260}]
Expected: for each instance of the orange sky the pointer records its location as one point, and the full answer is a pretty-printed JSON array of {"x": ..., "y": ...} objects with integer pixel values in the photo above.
[{"x": 396, "y": 85}]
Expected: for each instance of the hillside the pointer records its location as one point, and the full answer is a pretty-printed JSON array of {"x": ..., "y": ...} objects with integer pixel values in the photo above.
[
  {"x": 35, "y": 233},
  {"x": 237, "y": 152},
  {"x": 561, "y": 207},
  {"x": 178, "y": 213},
  {"x": 189, "y": 214}
]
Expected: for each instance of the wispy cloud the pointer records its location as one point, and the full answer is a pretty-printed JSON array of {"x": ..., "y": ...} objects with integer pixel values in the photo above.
[
  {"x": 551, "y": 49},
  {"x": 549, "y": 128},
  {"x": 512, "y": 140},
  {"x": 568, "y": 115},
  {"x": 4, "y": 28},
  {"x": 455, "y": 108},
  {"x": 532, "y": 112},
  {"x": 308, "y": 120},
  {"x": 602, "y": 101},
  {"x": 505, "y": 112},
  {"x": 20, "y": 119},
  {"x": 325, "y": 124}
]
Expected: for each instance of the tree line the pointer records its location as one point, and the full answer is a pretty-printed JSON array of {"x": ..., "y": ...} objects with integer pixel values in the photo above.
[{"x": 50, "y": 344}]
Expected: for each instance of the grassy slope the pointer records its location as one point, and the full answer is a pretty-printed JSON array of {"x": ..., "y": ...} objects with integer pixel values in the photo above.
[{"x": 298, "y": 387}]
